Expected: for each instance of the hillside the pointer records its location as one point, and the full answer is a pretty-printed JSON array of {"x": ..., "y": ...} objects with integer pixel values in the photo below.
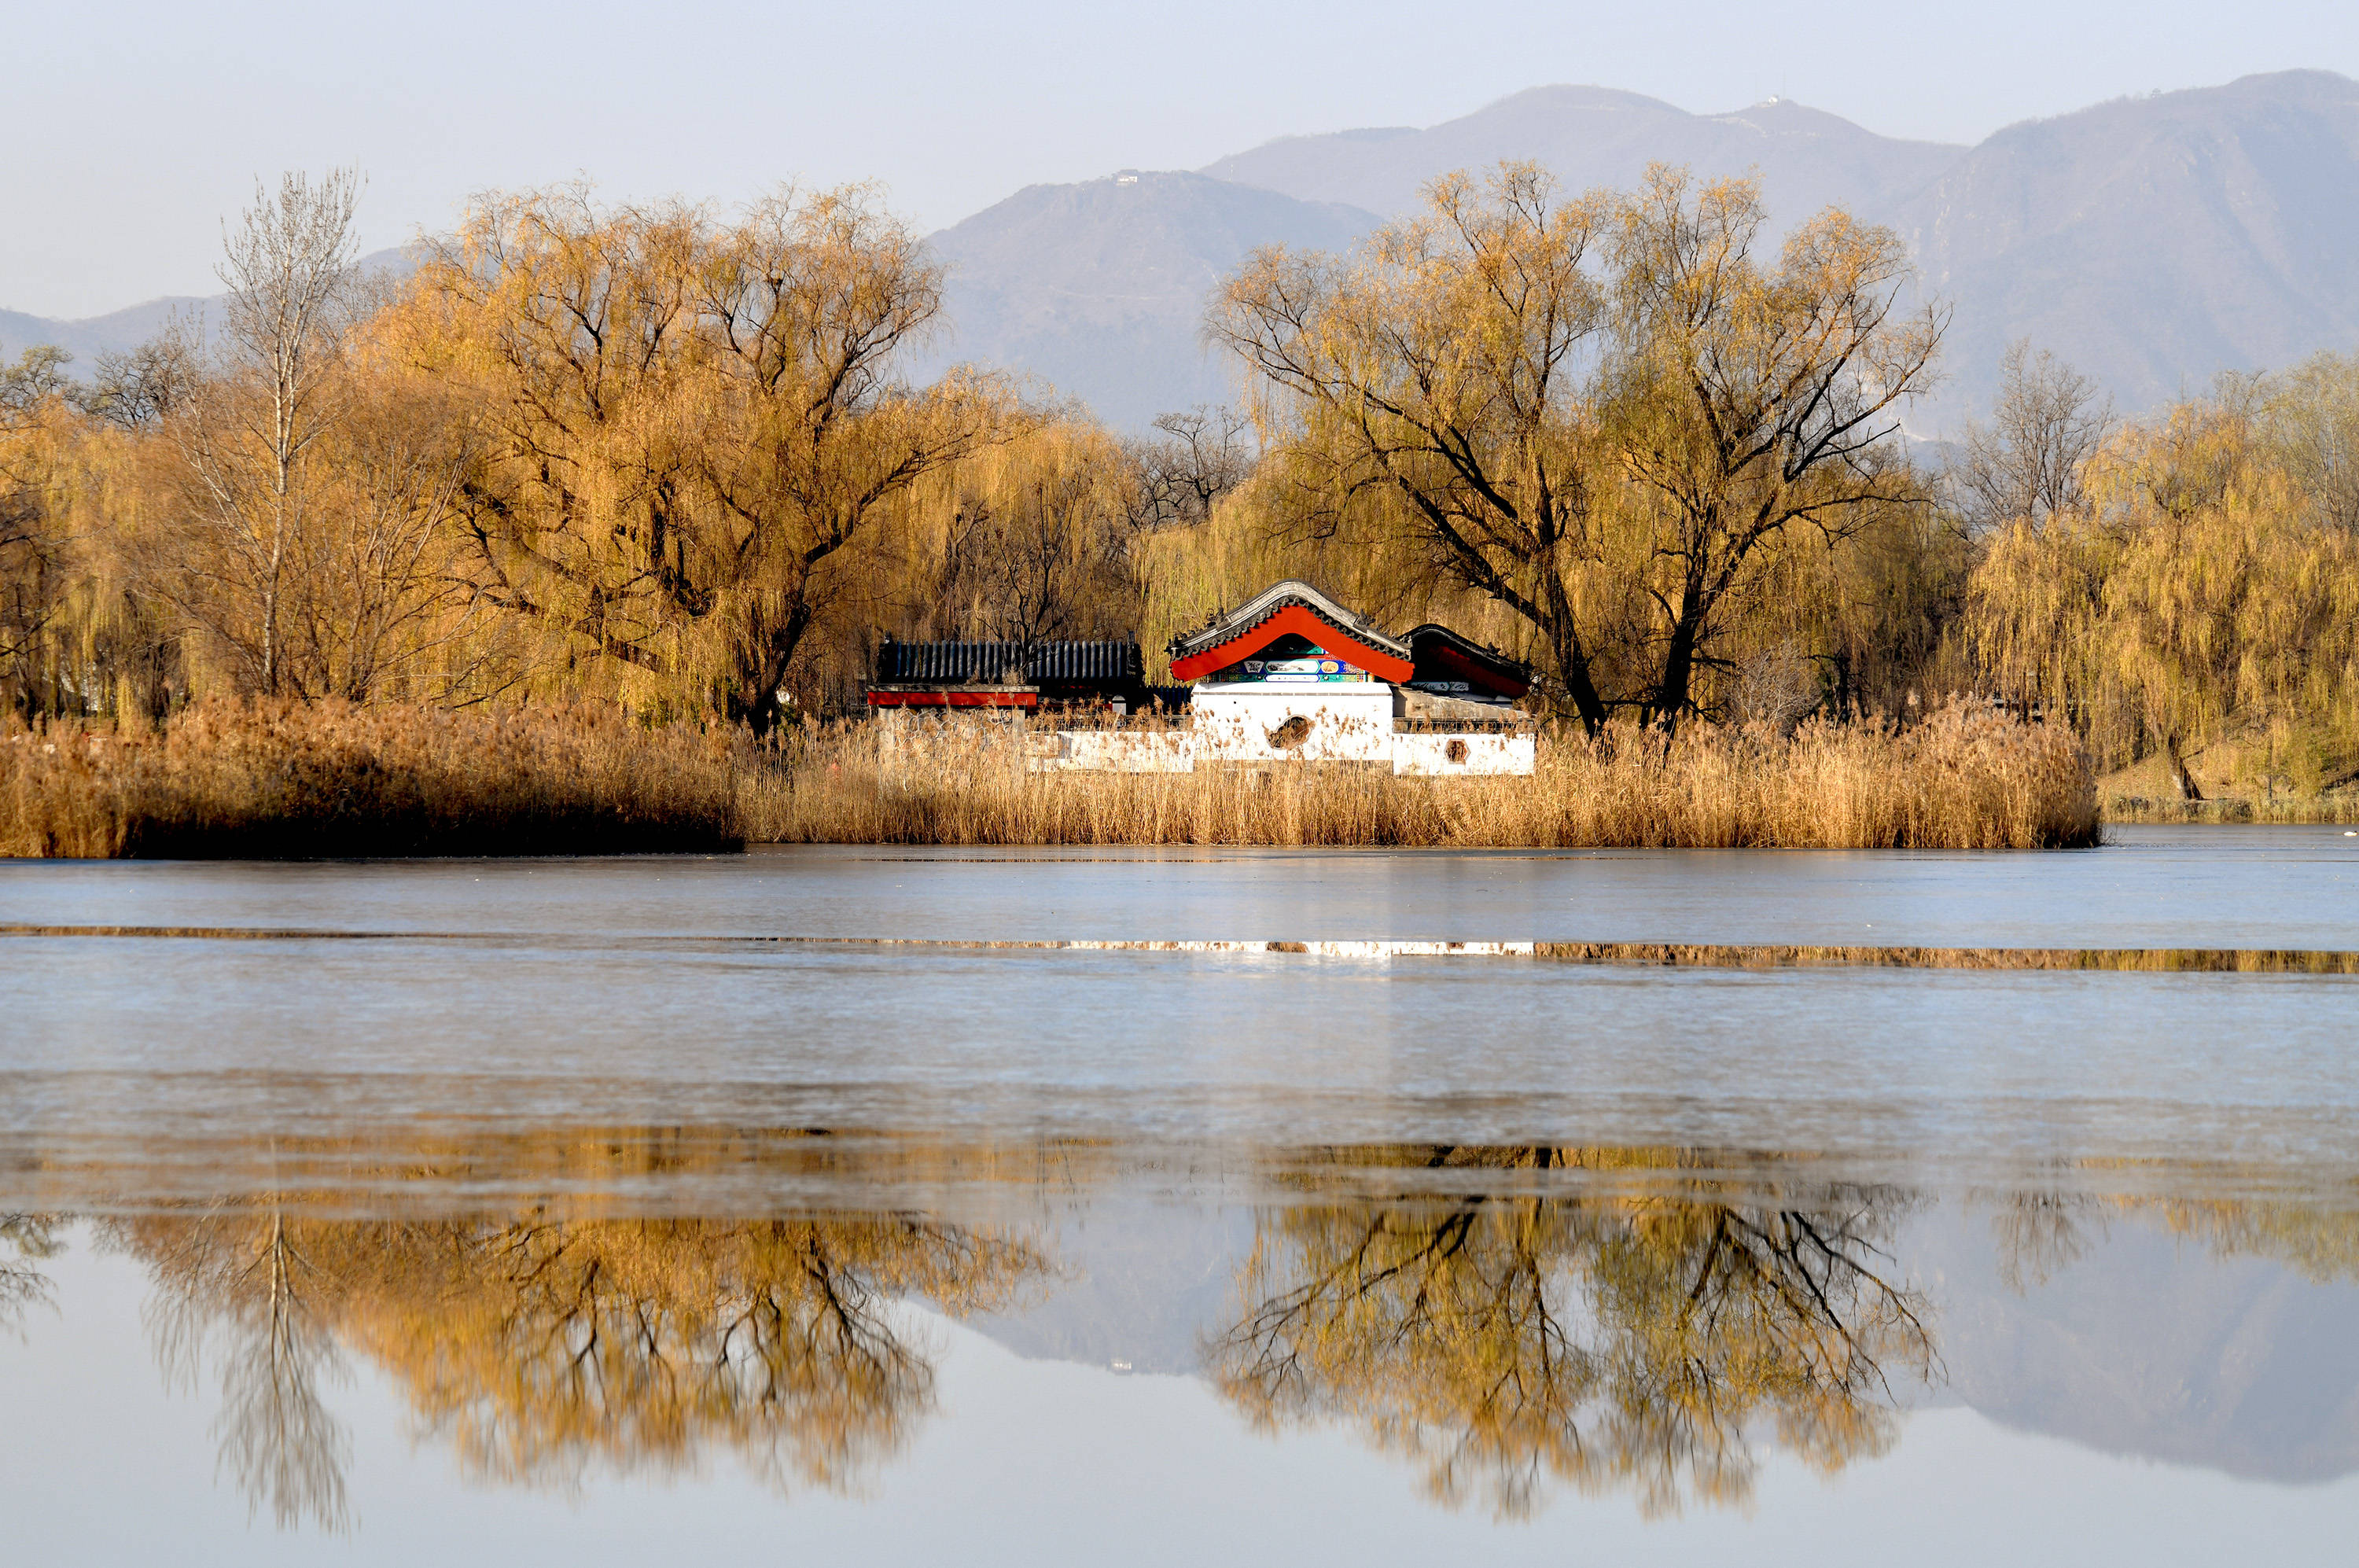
[
  {"x": 2155, "y": 241},
  {"x": 93, "y": 335},
  {"x": 119, "y": 331},
  {"x": 2152, "y": 242},
  {"x": 1100, "y": 288}
]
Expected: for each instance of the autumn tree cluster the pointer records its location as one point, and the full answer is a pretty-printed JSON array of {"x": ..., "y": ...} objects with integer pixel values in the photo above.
[
  {"x": 1628, "y": 437},
  {"x": 646, "y": 453},
  {"x": 674, "y": 458},
  {"x": 2194, "y": 586}
]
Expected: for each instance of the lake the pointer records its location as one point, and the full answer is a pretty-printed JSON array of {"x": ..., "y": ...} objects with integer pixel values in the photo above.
[{"x": 547, "y": 1210}]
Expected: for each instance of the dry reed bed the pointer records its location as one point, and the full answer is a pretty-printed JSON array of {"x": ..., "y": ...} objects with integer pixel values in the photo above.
[
  {"x": 1964, "y": 778},
  {"x": 327, "y": 779},
  {"x": 2335, "y": 808}
]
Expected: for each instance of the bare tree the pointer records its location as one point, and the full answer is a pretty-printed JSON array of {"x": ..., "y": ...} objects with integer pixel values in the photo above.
[
  {"x": 1754, "y": 405},
  {"x": 2048, "y": 421},
  {"x": 137, "y": 390},
  {"x": 1438, "y": 376},
  {"x": 1202, "y": 455},
  {"x": 1608, "y": 415},
  {"x": 287, "y": 264},
  {"x": 234, "y": 1287}
]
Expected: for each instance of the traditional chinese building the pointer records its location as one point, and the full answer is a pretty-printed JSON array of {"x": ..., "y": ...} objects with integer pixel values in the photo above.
[{"x": 1292, "y": 675}]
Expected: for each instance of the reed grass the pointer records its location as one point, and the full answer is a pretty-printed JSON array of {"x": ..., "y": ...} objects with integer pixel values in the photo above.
[
  {"x": 2334, "y": 807},
  {"x": 298, "y": 781},
  {"x": 320, "y": 781},
  {"x": 1964, "y": 779}
]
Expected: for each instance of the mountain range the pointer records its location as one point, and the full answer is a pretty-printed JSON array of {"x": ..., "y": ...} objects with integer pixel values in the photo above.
[{"x": 2151, "y": 242}]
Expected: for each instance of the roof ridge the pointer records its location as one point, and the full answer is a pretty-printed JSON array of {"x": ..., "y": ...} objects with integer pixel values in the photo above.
[{"x": 1275, "y": 597}]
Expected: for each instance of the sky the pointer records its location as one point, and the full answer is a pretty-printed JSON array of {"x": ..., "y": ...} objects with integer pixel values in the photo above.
[{"x": 136, "y": 129}]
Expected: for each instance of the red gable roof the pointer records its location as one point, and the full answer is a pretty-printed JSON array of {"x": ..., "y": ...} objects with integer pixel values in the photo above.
[{"x": 1296, "y": 609}]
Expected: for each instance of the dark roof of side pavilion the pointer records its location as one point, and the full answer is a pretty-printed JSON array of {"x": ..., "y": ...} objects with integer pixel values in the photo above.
[
  {"x": 1442, "y": 654},
  {"x": 990, "y": 663}
]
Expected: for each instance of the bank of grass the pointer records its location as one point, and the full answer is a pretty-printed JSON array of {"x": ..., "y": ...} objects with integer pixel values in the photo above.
[
  {"x": 1964, "y": 778},
  {"x": 298, "y": 781},
  {"x": 325, "y": 780},
  {"x": 2142, "y": 793}
]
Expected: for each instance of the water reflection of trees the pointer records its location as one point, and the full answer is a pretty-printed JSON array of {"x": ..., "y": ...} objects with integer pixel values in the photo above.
[
  {"x": 1636, "y": 1338},
  {"x": 541, "y": 1348},
  {"x": 26, "y": 1242},
  {"x": 2041, "y": 1232},
  {"x": 241, "y": 1282}
]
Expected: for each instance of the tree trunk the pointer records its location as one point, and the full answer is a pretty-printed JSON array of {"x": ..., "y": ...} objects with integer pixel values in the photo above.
[
  {"x": 1674, "y": 688},
  {"x": 2180, "y": 779},
  {"x": 1571, "y": 659},
  {"x": 753, "y": 699}
]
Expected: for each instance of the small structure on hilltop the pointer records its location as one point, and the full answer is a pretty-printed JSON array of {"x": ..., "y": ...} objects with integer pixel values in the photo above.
[{"x": 1009, "y": 675}]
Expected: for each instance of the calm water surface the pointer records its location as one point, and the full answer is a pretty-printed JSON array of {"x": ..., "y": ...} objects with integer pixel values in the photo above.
[{"x": 571, "y": 1215}]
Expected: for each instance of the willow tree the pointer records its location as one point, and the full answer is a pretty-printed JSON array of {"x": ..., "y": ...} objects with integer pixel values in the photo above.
[
  {"x": 33, "y": 571},
  {"x": 1034, "y": 540},
  {"x": 693, "y": 419},
  {"x": 1440, "y": 377},
  {"x": 542, "y": 1347},
  {"x": 1605, "y": 414},
  {"x": 1751, "y": 400},
  {"x": 2205, "y": 595}
]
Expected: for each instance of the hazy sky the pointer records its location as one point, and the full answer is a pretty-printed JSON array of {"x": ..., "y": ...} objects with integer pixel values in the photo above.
[{"x": 134, "y": 127}]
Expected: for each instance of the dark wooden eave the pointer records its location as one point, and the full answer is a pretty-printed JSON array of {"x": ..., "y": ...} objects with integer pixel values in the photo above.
[{"x": 1441, "y": 654}]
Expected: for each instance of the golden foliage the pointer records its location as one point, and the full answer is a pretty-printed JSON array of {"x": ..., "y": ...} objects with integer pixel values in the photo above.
[
  {"x": 1505, "y": 1341},
  {"x": 1606, "y": 415},
  {"x": 2204, "y": 599},
  {"x": 691, "y": 422},
  {"x": 544, "y": 1347}
]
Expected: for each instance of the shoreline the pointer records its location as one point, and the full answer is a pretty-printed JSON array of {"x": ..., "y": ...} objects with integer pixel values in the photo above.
[{"x": 331, "y": 782}]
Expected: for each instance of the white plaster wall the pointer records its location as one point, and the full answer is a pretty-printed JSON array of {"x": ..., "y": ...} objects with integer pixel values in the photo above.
[
  {"x": 1113, "y": 751},
  {"x": 1349, "y": 722},
  {"x": 1429, "y": 754}
]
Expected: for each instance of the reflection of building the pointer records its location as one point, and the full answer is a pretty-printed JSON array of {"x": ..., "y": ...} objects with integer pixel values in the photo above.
[{"x": 1292, "y": 675}]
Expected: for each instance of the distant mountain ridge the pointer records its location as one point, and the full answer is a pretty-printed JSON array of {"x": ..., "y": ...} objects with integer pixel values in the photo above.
[
  {"x": 91, "y": 336},
  {"x": 1098, "y": 289},
  {"x": 2152, "y": 242},
  {"x": 1590, "y": 137},
  {"x": 118, "y": 332}
]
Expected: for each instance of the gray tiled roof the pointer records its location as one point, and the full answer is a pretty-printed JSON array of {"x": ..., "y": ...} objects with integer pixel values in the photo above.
[{"x": 979, "y": 663}]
